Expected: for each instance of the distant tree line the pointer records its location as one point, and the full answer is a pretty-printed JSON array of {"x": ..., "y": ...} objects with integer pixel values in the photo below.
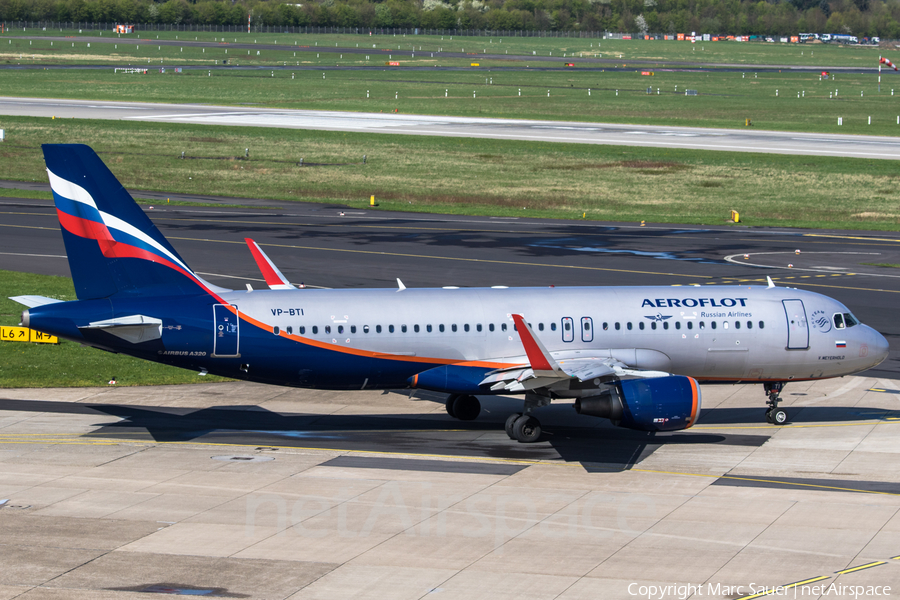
[{"x": 731, "y": 17}]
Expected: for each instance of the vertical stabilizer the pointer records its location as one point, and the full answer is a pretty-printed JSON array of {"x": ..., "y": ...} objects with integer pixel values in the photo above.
[{"x": 113, "y": 247}]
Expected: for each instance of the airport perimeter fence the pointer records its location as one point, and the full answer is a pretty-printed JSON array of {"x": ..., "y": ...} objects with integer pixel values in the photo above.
[{"x": 142, "y": 27}]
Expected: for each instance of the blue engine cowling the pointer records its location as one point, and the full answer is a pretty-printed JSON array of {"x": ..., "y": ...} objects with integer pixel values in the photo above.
[{"x": 658, "y": 404}]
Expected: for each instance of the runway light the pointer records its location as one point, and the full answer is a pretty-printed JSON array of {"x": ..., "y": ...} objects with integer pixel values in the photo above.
[
  {"x": 797, "y": 251},
  {"x": 790, "y": 266},
  {"x": 746, "y": 256}
]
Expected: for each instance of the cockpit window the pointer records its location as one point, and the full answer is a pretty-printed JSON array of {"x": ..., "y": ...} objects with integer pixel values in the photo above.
[{"x": 843, "y": 320}]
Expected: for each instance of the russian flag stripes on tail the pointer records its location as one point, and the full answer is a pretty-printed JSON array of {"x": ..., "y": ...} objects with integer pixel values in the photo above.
[{"x": 113, "y": 247}]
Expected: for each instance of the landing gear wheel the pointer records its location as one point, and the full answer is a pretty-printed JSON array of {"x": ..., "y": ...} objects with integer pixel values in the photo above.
[
  {"x": 451, "y": 400},
  {"x": 466, "y": 408},
  {"x": 779, "y": 416},
  {"x": 510, "y": 421},
  {"x": 774, "y": 415},
  {"x": 527, "y": 429}
]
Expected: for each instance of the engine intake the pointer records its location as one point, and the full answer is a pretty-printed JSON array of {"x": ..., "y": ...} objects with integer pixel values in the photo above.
[{"x": 657, "y": 404}]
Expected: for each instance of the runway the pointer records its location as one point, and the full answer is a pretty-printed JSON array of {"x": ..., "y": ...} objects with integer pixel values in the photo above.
[
  {"x": 332, "y": 246},
  {"x": 730, "y": 140}
]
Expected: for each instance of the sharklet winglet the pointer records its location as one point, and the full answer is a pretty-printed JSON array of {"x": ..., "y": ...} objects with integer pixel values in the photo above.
[
  {"x": 275, "y": 279},
  {"x": 542, "y": 364}
]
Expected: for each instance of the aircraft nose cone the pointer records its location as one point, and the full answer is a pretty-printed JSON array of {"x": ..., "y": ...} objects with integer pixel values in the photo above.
[{"x": 880, "y": 347}]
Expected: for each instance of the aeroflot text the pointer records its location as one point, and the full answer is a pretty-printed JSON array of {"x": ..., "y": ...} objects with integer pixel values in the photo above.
[
  {"x": 682, "y": 591},
  {"x": 692, "y": 302}
]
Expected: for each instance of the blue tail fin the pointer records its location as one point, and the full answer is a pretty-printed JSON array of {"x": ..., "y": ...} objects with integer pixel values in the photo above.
[{"x": 113, "y": 247}]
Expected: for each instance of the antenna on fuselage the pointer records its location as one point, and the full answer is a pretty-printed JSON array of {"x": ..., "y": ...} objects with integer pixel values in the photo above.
[
  {"x": 771, "y": 283},
  {"x": 400, "y": 285}
]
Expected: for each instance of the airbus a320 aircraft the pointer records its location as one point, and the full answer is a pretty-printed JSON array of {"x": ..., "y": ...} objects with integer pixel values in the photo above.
[{"x": 633, "y": 355}]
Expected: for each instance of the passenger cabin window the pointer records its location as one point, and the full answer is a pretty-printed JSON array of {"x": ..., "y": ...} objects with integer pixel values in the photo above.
[
  {"x": 315, "y": 329},
  {"x": 677, "y": 324},
  {"x": 466, "y": 327},
  {"x": 289, "y": 329},
  {"x": 478, "y": 327},
  {"x": 605, "y": 326},
  {"x": 302, "y": 330},
  {"x": 618, "y": 326},
  {"x": 340, "y": 329},
  {"x": 428, "y": 328},
  {"x": 353, "y": 329},
  {"x": 403, "y": 328},
  {"x": 540, "y": 326},
  {"x": 641, "y": 325},
  {"x": 416, "y": 328},
  {"x": 441, "y": 328},
  {"x": 690, "y": 324},
  {"x": 702, "y": 325},
  {"x": 713, "y": 324},
  {"x": 762, "y": 325},
  {"x": 749, "y": 324},
  {"x": 652, "y": 324},
  {"x": 453, "y": 328},
  {"x": 276, "y": 330},
  {"x": 490, "y": 326},
  {"x": 503, "y": 327},
  {"x": 391, "y": 328},
  {"x": 737, "y": 324},
  {"x": 552, "y": 326},
  {"x": 665, "y": 324},
  {"x": 378, "y": 329},
  {"x": 628, "y": 326},
  {"x": 328, "y": 329},
  {"x": 365, "y": 329}
]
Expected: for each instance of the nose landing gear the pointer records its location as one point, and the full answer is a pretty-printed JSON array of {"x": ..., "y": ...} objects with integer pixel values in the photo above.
[{"x": 775, "y": 415}]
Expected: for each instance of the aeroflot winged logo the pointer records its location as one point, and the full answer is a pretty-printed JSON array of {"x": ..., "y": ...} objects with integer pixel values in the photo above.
[
  {"x": 658, "y": 317},
  {"x": 692, "y": 302}
]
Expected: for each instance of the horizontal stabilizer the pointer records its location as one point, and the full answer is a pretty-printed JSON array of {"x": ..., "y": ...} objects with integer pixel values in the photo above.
[
  {"x": 32, "y": 301},
  {"x": 134, "y": 328},
  {"x": 275, "y": 279}
]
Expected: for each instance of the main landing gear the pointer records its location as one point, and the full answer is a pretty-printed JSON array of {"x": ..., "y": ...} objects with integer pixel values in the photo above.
[
  {"x": 520, "y": 427},
  {"x": 463, "y": 407},
  {"x": 523, "y": 427},
  {"x": 775, "y": 415}
]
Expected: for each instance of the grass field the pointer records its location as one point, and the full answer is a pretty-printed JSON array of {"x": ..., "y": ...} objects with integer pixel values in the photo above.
[
  {"x": 725, "y": 99},
  {"x": 68, "y": 364},
  {"x": 495, "y": 177},
  {"x": 661, "y": 52}
]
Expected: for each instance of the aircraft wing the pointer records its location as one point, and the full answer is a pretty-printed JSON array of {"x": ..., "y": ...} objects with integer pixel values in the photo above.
[
  {"x": 543, "y": 371},
  {"x": 275, "y": 279}
]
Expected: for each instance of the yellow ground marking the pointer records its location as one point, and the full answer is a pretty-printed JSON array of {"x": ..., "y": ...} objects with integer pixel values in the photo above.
[
  {"x": 450, "y": 258},
  {"x": 800, "y": 426},
  {"x": 861, "y": 567},
  {"x": 764, "y": 480},
  {"x": 779, "y": 588}
]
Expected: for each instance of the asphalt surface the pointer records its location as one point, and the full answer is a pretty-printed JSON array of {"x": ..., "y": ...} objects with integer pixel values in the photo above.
[
  {"x": 332, "y": 246},
  {"x": 733, "y": 140}
]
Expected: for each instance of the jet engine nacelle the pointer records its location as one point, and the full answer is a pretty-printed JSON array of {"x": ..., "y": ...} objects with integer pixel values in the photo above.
[{"x": 657, "y": 404}]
